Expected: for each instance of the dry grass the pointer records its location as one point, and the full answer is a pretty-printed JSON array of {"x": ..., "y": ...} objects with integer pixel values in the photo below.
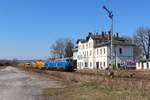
[
  {"x": 90, "y": 85},
  {"x": 109, "y": 90},
  {"x": 95, "y": 87}
]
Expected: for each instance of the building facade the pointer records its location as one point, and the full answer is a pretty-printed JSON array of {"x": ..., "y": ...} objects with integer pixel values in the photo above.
[
  {"x": 143, "y": 64},
  {"x": 95, "y": 51}
]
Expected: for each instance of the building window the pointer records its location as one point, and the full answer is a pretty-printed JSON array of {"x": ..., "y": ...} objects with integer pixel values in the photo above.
[
  {"x": 120, "y": 50},
  {"x": 104, "y": 50},
  {"x": 97, "y": 52},
  {"x": 97, "y": 65},
  {"x": 100, "y": 51},
  {"x": 87, "y": 53},
  {"x": 104, "y": 64},
  {"x": 86, "y": 45}
]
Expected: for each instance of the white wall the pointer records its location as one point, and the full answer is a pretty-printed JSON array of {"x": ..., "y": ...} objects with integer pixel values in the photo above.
[
  {"x": 75, "y": 55},
  {"x": 101, "y": 57},
  {"x": 139, "y": 66},
  {"x": 85, "y": 54},
  {"x": 125, "y": 54},
  {"x": 90, "y": 55}
]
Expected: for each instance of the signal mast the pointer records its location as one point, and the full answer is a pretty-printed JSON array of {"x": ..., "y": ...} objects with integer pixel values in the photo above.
[{"x": 110, "y": 15}]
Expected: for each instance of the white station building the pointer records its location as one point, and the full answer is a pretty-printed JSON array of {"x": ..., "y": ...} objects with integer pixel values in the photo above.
[{"x": 94, "y": 52}]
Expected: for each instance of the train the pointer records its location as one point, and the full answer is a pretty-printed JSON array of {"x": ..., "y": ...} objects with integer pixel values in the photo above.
[
  {"x": 61, "y": 64},
  {"x": 65, "y": 64}
]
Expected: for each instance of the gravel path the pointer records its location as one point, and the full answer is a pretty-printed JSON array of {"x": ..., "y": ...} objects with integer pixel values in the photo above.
[{"x": 20, "y": 85}]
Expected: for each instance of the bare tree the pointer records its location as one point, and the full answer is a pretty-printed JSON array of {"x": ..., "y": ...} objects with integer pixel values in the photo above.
[
  {"x": 136, "y": 52},
  {"x": 136, "y": 49},
  {"x": 68, "y": 48},
  {"x": 142, "y": 40},
  {"x": 62, "y": 48},
  {"x": 57, "y": 49}
]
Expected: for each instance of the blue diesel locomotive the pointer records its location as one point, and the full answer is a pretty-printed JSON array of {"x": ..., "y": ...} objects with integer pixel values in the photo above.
[{"x": 61, "y": 65}]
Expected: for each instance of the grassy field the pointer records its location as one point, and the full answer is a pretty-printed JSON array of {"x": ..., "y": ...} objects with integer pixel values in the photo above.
[
  {"x": 87, "y": 85},
  {"x": 96, "y": 87}
]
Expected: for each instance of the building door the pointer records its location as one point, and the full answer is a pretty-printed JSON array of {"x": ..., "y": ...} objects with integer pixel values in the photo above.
[
  {"x": 97, "y": 65},
  {"x": 86, "y": 64},
  {"x": 119, "y": 65}
]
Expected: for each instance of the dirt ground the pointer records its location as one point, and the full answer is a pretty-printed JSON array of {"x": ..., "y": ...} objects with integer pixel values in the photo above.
[
  {"x": 29, "y": 84},
  {"x": 16, "y": 84}
]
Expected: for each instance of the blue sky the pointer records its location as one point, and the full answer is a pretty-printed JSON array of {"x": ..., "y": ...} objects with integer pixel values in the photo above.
[{"x": 29, "y": 27}]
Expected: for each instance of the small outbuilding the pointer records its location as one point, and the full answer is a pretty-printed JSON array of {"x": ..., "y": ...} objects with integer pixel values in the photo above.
[{"x": 143, "y": 64}]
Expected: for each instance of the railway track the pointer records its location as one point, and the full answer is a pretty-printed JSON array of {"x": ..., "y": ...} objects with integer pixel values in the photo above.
[
  {"x": 102, "y": 74},
  {"x": 126, "y": 77}
]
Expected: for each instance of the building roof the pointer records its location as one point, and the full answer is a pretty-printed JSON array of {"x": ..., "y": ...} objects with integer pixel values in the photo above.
[
  {"x": 81, "y": 40},
  {"x": 123, "y": 43},
  {"x": 105, "y": 38},
  {"x": 101, "y": 44}
]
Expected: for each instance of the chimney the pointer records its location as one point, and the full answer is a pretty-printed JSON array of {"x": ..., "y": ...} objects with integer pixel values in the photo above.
[
  {"x": 97, "y": 33},
  {"x": 90, "y": 34},
  {"x": 102, "y": 34},
  {"x": 117, "y": 35}
]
